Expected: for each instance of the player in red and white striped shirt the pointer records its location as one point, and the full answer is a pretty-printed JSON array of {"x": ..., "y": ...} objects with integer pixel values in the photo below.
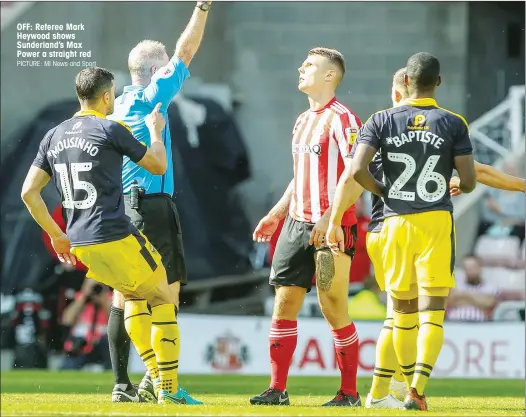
[{"x": 321, "y": 139}]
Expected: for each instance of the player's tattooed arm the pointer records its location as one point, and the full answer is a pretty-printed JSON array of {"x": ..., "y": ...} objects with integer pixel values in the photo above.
[
  {"x": 324, "y": 270},
  {"x": 268, "y": 225},
  {"x": 360, "y": 169},
  {"x": 281, "y": 208},
  {"x": 191, "y": 38},
  {"x": 348, "y": 191}
]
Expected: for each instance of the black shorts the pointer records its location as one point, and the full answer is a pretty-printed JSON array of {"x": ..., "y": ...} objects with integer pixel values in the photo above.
[
  {"x": 158, "y": 219},
  {"x": 293, "y": 263}
]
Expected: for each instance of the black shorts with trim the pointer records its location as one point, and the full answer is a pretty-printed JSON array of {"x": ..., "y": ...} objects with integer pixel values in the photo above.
[
  {"x": 293, "y": 263},
  {"x": 157, "y": 217}
]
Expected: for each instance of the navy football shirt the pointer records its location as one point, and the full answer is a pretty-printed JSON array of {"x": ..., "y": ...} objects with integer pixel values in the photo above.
[
  {"x": 418, "y": 142},
  {"x": 83, "y": 155},
  {"x": 377, "y": 212}
]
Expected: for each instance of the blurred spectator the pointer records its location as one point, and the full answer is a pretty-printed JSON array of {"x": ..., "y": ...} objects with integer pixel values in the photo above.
[
  {"x": 30, "y": 321},
  {"x": 504, "y": 210},
  {"x": 87, "y": 317},
  {"x": 368, "y": 303},
  {"x": 361, "y": 264},
  {"x": 472, "y": 300}
]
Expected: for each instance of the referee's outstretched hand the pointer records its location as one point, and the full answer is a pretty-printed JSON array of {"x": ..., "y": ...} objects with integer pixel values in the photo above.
[{"x": 155, "y": 120}]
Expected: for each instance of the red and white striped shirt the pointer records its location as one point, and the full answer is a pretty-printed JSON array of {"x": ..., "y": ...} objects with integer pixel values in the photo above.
[{"x": 320, "y": 141}]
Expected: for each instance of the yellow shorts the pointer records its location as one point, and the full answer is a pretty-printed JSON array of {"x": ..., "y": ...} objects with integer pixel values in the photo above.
[
  {"x": 124, "y": 264},
  {"x": 375, "y": 251},
  {"x": 419, "y": 251}
]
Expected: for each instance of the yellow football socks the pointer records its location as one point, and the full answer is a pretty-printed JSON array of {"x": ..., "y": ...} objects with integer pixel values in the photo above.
[
  {"x": 138, "y": 323},
  {"x": 165, "y": 342},
  {"x": 386, "y": 364},
  {"x": 398, "y": 375},
  {"x": 430, "y": 341},
  {"x": 405, "y": 334}
]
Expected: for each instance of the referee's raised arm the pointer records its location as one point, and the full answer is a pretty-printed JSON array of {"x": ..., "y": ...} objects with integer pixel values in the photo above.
[
  {"x": 191, "y": 38},
  {"x": 163, "y": 77}
]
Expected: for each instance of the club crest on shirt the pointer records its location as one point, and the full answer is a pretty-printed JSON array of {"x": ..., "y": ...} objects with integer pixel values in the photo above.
[{"x": 351, "y": 134}]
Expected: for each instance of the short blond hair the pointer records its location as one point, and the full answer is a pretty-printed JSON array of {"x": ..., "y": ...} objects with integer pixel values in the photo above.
[
  {"x": 146, "y": 54},
  {"x": 399, "y": 81}
]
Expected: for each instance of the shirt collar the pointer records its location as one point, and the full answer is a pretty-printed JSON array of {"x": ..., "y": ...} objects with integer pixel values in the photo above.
[
  {"x": 133, "y": 87},
  {"x": 89, "y": 113},
  {"x": 330, "y": 103},
  {"x": 421, "y": 102}
]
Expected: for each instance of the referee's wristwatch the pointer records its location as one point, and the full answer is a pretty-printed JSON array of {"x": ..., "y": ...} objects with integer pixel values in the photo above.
[{"x": 204, "y": 5}]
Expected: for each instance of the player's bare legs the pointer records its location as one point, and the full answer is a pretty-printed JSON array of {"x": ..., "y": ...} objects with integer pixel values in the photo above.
[
  {"x": 332, "y": 283},
  {"x": 283, "y": 339}
]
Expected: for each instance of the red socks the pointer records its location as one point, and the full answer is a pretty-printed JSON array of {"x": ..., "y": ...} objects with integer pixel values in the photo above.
[
  {"x": 347, "y": 352},
  {"x": 282, "y": 344}
]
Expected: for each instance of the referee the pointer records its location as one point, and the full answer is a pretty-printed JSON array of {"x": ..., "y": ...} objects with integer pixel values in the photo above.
[{"x": 156, "y": 78}]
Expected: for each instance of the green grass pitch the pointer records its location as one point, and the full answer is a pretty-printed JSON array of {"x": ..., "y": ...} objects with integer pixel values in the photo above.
[{"x": 35, "y": 393}]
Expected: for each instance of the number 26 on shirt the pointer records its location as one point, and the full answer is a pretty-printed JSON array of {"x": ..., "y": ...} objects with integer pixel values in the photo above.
[
  {"x": 426, "y": 175},
  {"x": 68, "y": 193}
]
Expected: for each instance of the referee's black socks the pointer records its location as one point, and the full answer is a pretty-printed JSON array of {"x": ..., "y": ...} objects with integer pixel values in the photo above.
[{"x": 119, "y": 342}]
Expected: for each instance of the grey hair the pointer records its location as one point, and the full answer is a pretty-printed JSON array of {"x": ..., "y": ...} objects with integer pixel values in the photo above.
[{"x": 146, "y": 54}]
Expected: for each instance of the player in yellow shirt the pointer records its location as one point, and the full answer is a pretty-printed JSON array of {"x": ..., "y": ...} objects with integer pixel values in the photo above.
[{"x": 346, "y": 194}]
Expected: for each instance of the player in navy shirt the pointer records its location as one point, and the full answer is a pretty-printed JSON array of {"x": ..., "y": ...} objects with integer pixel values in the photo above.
[
  {"x": 155, "y": 78},
  {"x": 387, "y": 369},
  {"x": 420, "y": 144},
  {"x": 83, "y": 156}
]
